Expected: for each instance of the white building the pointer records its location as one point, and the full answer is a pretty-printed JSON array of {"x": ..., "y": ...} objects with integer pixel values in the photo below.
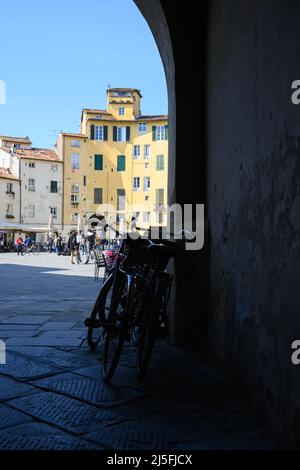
[
  {"x": 40, "y": 172},
  {"x": 9, "y": 201}
]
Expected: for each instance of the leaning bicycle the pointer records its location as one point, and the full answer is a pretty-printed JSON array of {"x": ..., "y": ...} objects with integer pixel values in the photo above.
[{"x": 138, "y": 301}]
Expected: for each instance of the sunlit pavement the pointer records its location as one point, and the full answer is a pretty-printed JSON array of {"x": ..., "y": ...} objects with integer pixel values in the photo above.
[{"x": 51, "y": 392}]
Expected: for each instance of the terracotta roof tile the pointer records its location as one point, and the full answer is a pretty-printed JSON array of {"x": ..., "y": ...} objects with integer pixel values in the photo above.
[
  {"x": 17, "y": 140},
  {"x": 38, "y": 154},
  {"x": 96, "y": 111},
  {"x": 152, "y": 118},
  {"x": 124, "y": 89},
  {"x": 70, "y": 134},
  {"x": 5, "y": 174}
]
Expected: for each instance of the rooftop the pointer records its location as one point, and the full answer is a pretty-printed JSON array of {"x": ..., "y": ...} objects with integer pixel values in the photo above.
[
  {"x": 124, "y": 90},
  {"x": 6, "y": 175},
  {"x": 38, "y": 154},
  {"x": 16, "y": 140}
]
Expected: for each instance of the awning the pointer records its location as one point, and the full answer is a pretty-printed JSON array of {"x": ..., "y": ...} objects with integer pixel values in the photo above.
[{"x": 7, "y": 227}]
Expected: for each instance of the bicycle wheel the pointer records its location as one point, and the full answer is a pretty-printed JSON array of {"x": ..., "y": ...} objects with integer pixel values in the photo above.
[
  {"x": 99, "y": 313},
  {"x": 148, "y": 331},
  {"x": 116, "y": 328}
]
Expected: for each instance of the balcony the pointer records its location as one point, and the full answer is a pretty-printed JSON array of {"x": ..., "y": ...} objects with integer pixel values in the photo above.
[{"x": 11, "y": 193}]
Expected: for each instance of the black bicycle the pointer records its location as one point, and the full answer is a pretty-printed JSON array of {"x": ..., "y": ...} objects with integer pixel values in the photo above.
[{"x": 137, "y": 304}]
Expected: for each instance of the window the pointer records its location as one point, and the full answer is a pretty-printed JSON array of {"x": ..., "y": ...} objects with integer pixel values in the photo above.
[
  {"x": 146, "y": 216},
  {"x": 121, "y": 163},
  {"x": 159, "y": 217},
  {"x": 146, "y": 183},
  {"x": 98, "y": 163},
  {"x": 53, "y": 187},
  {"x": 9, "y": 188},
  {"x": 31, "y": 165},
  {"x": 74, "y": 216},
  {"x": 31, "y": 184},
  {"x": 136, "y": 152},
  {"x": 30, "y": 210},
  {"x": 84, "y": 181},
  {"x": 146, "y": 198},
  {"x": 147, "y": 152},
  {"x": 121, "y": 200},
  {"x": 121, "y": 134},
  {"x": 159, "y": 162},
  {"x": 121, "y": 93},
  {"x": 136, "y": 183},
  {"x": 99, "y": 132},
  {"x": 75, "y": 161},
  {"x": 75, "y": 188},
  {"x": 160, "y": 196},
  {"x": 146, "y": 165},
  {"x": 75, "y": 143},
  {"x": 142, "y": 127},
  {"x": 121, "y": 111},
  {"x": 97, "y": 195},
  {"x": 159, "y": 132},
  {"x": 9, "y": 210},
  {"x": 54, "y": 168},
  {"x": 53, "y": 212},
  {"x": 74, "y": 198}
]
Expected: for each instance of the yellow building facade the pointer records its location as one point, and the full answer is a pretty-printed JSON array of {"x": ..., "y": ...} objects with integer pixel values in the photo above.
[{"x": 117, "y": 164}]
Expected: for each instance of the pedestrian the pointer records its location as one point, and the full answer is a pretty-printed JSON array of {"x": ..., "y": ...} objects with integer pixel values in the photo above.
[
  {"x": 73, "y": 246},
  {"x": 27, "y": 241},
  {"x": 19, "y": 245},
  {"x": 58, "y": 244}
]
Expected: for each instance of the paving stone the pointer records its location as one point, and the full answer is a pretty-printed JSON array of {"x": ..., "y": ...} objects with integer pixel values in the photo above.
[
  {"x": 27, "y": 319},
  {"x": 123, "y": 377},
  {"x": 64, "y": 412},
  {"x": 43, "y": 341},
  {"x": 10, "y": 388},
  {"x": 131, "y": 436},
  {"x": 11, "y": 417},
  {"x": 89, "y": 390},
  {"x": 17, "y": 327},
  {"x": 24, "y": 368},
  {"x": 69, "y": 334},
  {"x": 40, "y": 436},
  {"x": 56, "y": 357},
  {"x": 17, "y": 333},
  {"x": 57, "y": 325}
]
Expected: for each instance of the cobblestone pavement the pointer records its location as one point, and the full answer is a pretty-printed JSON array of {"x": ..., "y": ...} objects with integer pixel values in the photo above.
[{"x": 51, "y": 393}]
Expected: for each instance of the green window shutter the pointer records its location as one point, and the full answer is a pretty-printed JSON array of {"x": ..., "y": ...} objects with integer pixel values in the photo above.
[
  {"x": 115, "y": 133},
  {"x": 92, "y": 131},
  {"x": 121, "y": 164},
  {"x": 153, "y": 132},
  {"x": 105, "y": 133},
  {"x": 159, "y": 162},
  {"x": 98, "y": 162},
  {"x": 166, "y": 132},
  {"x": 127, "y": 133}
]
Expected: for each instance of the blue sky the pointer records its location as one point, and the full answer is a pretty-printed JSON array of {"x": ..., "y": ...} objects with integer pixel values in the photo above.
[{"x": 59, "y": 56}]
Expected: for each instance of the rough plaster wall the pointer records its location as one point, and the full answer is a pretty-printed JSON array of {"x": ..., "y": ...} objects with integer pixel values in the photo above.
[{"x": 254, "y": 200}]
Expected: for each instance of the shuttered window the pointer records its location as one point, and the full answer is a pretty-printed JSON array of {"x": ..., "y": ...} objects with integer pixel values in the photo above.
[
  {"x": 97, "y": 195},
  {"x": 121, "y": 163},
  {"x": 159, "y": 162},
  {"x": 98, "y": 164}
]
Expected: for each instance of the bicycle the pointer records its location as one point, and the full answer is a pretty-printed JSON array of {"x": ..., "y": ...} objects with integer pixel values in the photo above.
[
  {"x": 34, "y": 249},
  {"x": 132, "y": 303}
]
